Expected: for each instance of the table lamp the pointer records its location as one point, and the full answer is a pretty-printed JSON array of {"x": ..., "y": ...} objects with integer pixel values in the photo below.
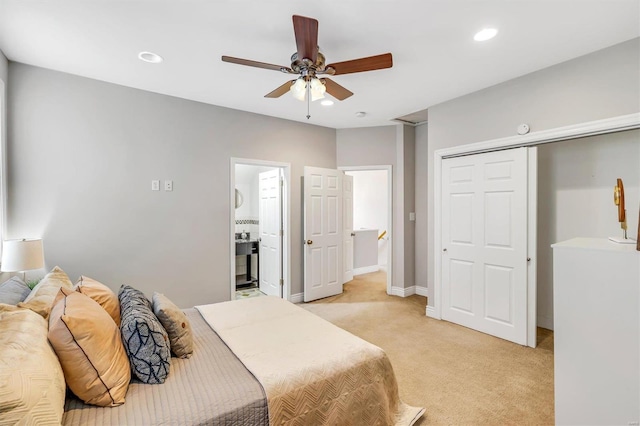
[{"x": 22, "y": 255}]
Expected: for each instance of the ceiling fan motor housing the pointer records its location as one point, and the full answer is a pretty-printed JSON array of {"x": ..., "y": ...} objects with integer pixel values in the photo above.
[{"x": 305, "y": 67}]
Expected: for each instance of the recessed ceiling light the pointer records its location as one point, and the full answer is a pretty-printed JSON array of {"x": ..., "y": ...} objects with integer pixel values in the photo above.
[
  {"x": 485, "y": 34},
  {"x": 327, "y": 102},
  {"x": 150, "y": 57}
]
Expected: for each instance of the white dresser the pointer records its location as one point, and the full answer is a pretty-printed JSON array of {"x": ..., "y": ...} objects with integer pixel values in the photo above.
[{"x": 596, "y": 298}]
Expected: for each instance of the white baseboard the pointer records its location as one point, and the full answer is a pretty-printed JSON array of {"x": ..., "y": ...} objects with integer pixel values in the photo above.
[
  {"x": 431, "y": 312},
  {"x": 383, "y": 268},
  {"x": 422, "y": 291},
  {"x": 545, "y": 322},
  {"x": 408, "y": 291},
  {"x": 403, "y": 292},
  {"x": 297, "y": 298},
  {"x": 365, "y": 270}
]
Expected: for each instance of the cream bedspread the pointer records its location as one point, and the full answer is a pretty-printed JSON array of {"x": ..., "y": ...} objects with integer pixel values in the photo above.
[{"x": 312, "y": 371}]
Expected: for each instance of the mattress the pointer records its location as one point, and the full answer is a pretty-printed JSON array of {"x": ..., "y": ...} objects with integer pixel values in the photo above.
[
  {"x": 211, "y": 388},
  {"x": 313, "y": 372}
]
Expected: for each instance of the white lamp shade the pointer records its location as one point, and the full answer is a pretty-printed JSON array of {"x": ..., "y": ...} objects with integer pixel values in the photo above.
[
  {"x": 299, "y": 89},
  {"x": 317, "y": 89},
  {"x": 22, "y": 255}
]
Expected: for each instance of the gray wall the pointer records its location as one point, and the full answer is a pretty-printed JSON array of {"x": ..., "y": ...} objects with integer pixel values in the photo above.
[
  {"x": 599, "y": 85},
  {"x": 4, "y": 67},
  {"x": 4, "y": 74},
  {"x": 407, "y": 135},
  {"x": 387, "y": 145},
  {"x": 82, "y": 154},
  {"x": 421, "y": 206}
]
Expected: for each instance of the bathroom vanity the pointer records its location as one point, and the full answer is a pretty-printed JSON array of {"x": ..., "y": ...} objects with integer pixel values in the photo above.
[{"x": 247, "y": 253}]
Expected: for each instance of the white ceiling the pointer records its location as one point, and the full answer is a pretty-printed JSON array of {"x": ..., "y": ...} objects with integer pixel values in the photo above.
[{"x": 435, "y": 56}]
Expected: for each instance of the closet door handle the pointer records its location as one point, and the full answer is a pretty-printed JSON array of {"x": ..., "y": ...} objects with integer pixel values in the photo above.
[
  {"x": 308, "y": 242},
  {"x": 353, "y": 234}
]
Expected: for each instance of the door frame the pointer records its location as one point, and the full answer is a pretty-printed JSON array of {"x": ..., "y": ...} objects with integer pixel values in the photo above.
[
  {"x": 286, "y": 221},
  {"x": 581, "y": 130},
  {"x": 389, "y": 229}
]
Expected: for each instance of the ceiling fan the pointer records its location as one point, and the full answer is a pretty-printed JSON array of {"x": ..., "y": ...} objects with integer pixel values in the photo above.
[{"x": 309, "y": 63}]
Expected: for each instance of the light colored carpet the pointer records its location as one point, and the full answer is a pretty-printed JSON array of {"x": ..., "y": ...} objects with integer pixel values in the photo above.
[{"x": 461, "y": 376}]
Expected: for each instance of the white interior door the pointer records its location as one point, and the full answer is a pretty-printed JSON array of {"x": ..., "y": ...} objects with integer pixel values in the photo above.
[
  {"x": 347, "y": 226},
  {"x": 323, "y": 270},
  {"x": 270, "y": 230},
  {"x": 484, "y": 242}
]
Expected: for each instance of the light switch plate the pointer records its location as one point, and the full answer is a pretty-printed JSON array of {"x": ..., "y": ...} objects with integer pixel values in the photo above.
[
  {"x": 155, "y": 185},
  {"x": 168, "y": 185},
  {"x": 412, "y": 216}
]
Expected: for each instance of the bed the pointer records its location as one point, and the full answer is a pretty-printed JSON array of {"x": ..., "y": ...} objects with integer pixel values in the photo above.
[
  {"x": 263, "y": 361},
  {"x": 211, "y": 388},
  {"x": 256, "y": 361}
]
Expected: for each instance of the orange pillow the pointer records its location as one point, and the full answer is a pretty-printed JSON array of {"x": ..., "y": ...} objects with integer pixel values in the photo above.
[
  {"x": 87, "y": 342},
  {"x": 101, "y": 294},
  {"x": 41, "y": 297}
]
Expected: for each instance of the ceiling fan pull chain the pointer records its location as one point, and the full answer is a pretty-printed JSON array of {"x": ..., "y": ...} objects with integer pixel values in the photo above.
[{"x": 308, "y": 99}]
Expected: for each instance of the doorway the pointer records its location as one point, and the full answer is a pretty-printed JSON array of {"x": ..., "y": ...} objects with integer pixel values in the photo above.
[
  {"x": 372, "y": 220},
  {"x": 259, "y": 228}
]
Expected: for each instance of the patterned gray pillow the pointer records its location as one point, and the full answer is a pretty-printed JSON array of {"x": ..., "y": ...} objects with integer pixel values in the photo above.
[
  {"x": 13, "y": 291},
  {"x": 144, "y": 338}
]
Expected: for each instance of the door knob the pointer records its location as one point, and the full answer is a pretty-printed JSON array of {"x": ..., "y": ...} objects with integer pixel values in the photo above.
[
  {"x": 353, "y": 234},
  {"x": 444, "y": 249},
  {"x": 308, "y": 242}
]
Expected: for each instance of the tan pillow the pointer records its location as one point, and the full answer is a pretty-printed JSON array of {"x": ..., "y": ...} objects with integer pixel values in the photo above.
[
  {"x": 101, "y": 294},
  {"x": 41, "y": 297},
  {"x": 88, "y": 345},
  {"x": 32, "y": 388},
  {"x": 176, "y": 323}
]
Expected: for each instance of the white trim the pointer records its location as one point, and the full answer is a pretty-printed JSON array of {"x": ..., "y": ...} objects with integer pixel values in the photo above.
[
  {"x": 365, "y": 270},
  {"x": 297, "y": 298},
  {"x": 422, "y": 291},
  {"x": 286, "y": 195},
  {"x": 574, "y": 131},
  {"x": 389, "y": 169},
  {"x": 532, "y": 244},
  {"x": 431, "y": 312},
  {"x": 591, "y": 128},
  {"x": 403, "y": 292}
]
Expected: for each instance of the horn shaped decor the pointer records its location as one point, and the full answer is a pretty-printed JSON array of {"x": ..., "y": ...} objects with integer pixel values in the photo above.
[{"x": 618, "y": 199}]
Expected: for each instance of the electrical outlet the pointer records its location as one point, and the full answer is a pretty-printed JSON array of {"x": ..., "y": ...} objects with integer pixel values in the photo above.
[
  {"x": 168, "y": 185},
  {"x": 412, "y": 216},
  {"x": 155, "y": 185}
]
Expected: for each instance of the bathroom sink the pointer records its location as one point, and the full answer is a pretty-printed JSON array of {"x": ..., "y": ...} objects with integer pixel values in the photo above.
[{"x": 246, "y": 247}]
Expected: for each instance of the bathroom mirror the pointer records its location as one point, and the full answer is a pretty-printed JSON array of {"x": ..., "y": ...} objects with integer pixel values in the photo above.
[{"x": 239, "y": 198}]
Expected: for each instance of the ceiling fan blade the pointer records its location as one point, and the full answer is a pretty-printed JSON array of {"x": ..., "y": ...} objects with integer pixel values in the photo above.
[
  {"x": 256, "y": 64},
  {"x": 370, "y": 63},
  {"x": 306, "y": 32},
  {"x": 280, "y": 90},
  {"x": 335, "y": 90}
]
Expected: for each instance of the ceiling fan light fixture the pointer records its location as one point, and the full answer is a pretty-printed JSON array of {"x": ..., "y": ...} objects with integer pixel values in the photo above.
[
  {"x": 299, "y": 88},
  {"x": 317, "y": 89},
  {"x": 485, "y": 34},
  {"x": 327, "y": 102}
]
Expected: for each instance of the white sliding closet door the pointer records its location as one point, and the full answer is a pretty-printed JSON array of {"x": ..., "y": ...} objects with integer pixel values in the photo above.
[{"x": 484, "y": 241}]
